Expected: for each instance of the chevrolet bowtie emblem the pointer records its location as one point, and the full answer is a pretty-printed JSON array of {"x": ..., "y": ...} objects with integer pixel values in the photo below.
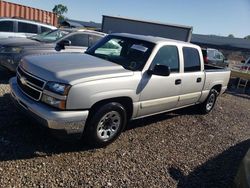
[{"x": 23, "y": 80}]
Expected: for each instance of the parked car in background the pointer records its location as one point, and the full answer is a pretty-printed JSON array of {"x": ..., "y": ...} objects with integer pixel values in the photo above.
[
  {"x": 214, "y": 57},
  {"x": 12, "y": 50},
  {"x": 122, "y": 77},
  {"x": 10, "y": 27}
]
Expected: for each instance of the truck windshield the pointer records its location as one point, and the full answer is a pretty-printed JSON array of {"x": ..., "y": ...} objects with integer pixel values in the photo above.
[
  {"x": 130, "y": 53},
  {"x": 50, "y": 36}
]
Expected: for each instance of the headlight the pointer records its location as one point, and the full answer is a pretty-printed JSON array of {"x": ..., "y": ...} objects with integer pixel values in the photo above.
[
  {"x": 52, "y": 101},
  {"x": 55, "y": 94},
  {"x": 11, "y": 50},
  {"x": 58, "y": 88}
]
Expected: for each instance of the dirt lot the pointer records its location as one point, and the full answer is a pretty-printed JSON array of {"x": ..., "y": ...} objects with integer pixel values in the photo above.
[{"x": 180, "y": 149}]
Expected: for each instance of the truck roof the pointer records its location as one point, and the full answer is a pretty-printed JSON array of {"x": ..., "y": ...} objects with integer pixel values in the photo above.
[
  {"x": 152, "y": 39},
  {"x": 28, "y": 21}
]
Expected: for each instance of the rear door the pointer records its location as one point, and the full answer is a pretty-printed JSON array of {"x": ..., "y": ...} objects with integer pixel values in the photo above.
[{"x": 193, "y": 77}]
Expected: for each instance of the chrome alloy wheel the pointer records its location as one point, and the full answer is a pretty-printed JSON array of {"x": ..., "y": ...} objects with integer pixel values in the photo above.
[
  {"x": 210, "y": 102},
  {"x": 109, "y": 125}
]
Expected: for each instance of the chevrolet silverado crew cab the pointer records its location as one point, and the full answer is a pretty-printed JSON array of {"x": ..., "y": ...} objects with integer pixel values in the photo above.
[{"x": 121, "y": 78}]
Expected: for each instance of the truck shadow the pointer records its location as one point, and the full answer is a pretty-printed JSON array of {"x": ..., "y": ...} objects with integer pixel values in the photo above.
[
  {"x": 22, "y": 138},
  {"x": 219, "y": 171}
]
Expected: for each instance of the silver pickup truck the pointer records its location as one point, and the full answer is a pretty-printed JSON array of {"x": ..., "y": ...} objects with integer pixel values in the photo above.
[{"x": 121, "y": 78}]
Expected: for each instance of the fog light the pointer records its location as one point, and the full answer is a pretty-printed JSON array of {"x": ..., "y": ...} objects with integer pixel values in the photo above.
[{"x": 61, "y": 104}]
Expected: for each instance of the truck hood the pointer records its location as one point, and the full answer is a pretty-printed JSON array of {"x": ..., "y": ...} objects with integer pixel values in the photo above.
[{"x": 72, "y": 68}]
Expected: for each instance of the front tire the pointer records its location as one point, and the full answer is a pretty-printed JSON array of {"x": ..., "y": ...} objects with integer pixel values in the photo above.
[
  {"x": 106, "y": 124},
  {"x": 209, "y": 103}
]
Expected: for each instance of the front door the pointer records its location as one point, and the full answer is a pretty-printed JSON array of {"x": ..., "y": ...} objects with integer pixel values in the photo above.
[{"x": 161, "y": 93}]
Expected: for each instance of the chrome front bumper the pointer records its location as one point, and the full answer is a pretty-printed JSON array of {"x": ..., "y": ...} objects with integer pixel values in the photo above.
[{"x": 72, "y": 122}]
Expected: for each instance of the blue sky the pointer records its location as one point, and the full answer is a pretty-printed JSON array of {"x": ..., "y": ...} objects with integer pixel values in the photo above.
[{"x": 219, "y": 17}]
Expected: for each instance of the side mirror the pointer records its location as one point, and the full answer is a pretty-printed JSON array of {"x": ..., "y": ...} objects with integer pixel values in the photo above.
[
  {"x": 160, "y": 70},
  {"x": 64, "y": 43},
  {"x": 61, "y": 45}
]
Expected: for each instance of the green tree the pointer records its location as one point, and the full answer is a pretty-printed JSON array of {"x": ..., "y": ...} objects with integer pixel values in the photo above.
[
  {"x": 60, "y": 10},
  {"x": 247, "y": 37},
  {"x": 231, "y": 36}
]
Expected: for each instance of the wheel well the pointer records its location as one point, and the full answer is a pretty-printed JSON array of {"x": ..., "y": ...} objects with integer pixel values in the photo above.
[
  {"x": 126, "y": 102},
  {"x": 217, "y": 88}
]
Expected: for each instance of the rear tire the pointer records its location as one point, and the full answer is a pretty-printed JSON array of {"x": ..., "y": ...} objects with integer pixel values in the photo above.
[
  {"x": 105, "y": 124},
  {"x": 208, "y": 105}
]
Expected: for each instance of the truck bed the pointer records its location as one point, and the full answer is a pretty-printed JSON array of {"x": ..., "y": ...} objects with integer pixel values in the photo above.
[
  {"x": 216, "y": 76},
  {"x": 211, "y": 68}
]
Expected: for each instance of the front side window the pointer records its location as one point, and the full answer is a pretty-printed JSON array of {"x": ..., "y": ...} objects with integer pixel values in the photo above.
[
  {"x": 93, "y": 39},
  {"x": 27, "y": 28},
  {"x": 78, "y": 40},
  {"x": 191, "y": 60},
  {"x": 168, "y": 55},
  {"x": 7, "y": 26},
  {"x": 130, "y": 53}
]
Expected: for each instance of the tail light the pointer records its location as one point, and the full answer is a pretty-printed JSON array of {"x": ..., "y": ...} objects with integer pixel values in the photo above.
[{"x": 205, "y": 59}]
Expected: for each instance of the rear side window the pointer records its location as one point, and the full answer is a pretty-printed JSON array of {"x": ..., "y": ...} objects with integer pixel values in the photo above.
[
  {"x": 27, "y": 28},
  {"x": 7, "y": 26},
  {"x": 168, "y": 55},
  {"x": 191, "y": 60},
  {"x": 45, "y": 29},
  {"x": 79, "y": 40},
  {"x": 93, "y": 39}
]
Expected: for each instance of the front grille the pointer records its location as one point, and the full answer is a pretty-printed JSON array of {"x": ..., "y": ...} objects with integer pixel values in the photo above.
[
  {"x": 29, "y": 84},
  {"x": 37, "y": 82}
]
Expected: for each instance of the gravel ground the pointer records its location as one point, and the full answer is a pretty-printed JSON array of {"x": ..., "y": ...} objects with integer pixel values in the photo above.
[{"x": 179, "y": 149}]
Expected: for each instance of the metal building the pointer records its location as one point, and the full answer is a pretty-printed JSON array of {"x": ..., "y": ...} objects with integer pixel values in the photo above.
[{"x": 13, "y": 10}]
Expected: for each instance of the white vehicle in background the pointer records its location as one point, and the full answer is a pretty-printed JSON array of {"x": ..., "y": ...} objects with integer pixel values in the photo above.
[{"x": 10, "y": 28}]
